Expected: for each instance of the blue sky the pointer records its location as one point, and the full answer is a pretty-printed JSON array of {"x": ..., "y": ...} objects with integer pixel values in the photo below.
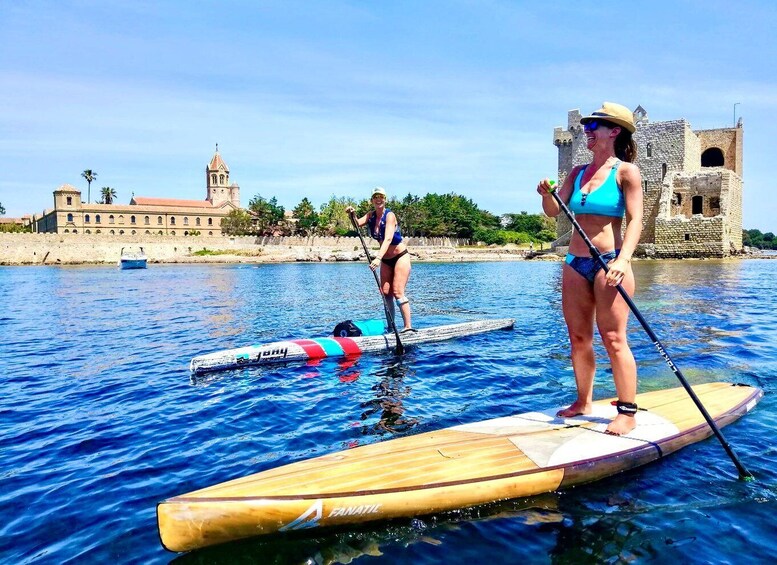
[{"x": 315, "y": 99}]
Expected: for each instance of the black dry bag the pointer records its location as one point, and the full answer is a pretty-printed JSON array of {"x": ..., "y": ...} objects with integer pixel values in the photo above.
[{"x": 346, "y": 329}]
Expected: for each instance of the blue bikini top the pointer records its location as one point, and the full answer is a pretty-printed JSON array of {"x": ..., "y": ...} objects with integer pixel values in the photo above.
[
  {"x": 380, "y": 233},
  {"x": 606, "y": 200}
]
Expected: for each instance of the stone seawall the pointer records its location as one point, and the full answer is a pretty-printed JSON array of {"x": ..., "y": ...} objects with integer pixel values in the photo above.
[{"x": 75, "y": 249}]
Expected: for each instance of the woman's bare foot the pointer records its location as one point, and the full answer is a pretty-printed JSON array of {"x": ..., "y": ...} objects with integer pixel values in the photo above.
[
  {"x": 576, "y": 409},
  {"x": 621, "y": 425}
]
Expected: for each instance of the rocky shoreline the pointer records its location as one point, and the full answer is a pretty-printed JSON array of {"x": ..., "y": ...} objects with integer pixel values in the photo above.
[
  {"x": 53, "y": 249},
  {"x": 324, "y": 255}
]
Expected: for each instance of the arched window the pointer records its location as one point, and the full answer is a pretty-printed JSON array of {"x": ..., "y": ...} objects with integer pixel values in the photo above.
[
  {"x": 210, "y": 221},
  {"x": 146, "y": 221},
  {"x": 148, "y": 232},
  {"x": 172, "y": 232},
  {"x": 649, "y": 149},
  {"x": 663, "y": 171},
  {"x": 172, "y": 220},
  {"x": 213, "y": 178},
  {"x": 197, "y": 221},
  {"x": 111, "y": 219},
  {"x": 160, "y": 233},
  {"x": 132, "y": 220},
  {"x": 697, "y": 205},
  {"x": 88, "y": 231},
  {"x": 121, "y": 219},
  {"x": 75, "y": 231},
  {"x": 133, "y": 232},
  {"x": 69, "y": 200},
  {"x": 97, "y": 219},
  {"x": 712, "y": 157},
  {"x": 210, "y": 233},
  {"x": 221, "y": 179},
  {"x": 70, "y": 217},
  {"x": 66, "y": 231},
  {"x": 86, "y": 219},
  {"x": 98, "y": 231},
  {"x": 113, "y": 232},
  {"x": 159, "y": 221},
  {"x": 121, "y": 232},
  {"x": 186, "y": 220}
]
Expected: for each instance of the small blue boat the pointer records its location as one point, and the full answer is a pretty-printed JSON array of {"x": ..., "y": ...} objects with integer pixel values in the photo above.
[{"x": 132, "y": 259}]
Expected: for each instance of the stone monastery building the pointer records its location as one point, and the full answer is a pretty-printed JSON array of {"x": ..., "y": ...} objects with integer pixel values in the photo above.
[
  {"x": 692, "y": 184},
  {"x": 145, "y": 215}
]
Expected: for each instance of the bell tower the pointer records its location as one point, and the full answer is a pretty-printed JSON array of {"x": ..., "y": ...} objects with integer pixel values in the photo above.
[{"x": 217, "y": 180}]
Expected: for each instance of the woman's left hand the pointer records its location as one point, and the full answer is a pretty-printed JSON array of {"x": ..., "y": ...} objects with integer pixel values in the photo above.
[
  {"x": 617, "y": 270},
  {"x": 375, "y": 263}
]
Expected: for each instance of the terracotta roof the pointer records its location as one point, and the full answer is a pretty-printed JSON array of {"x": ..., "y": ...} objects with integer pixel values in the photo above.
[
  {"x": 217, "y": 162},
  {"x": 172, "y": 202}
]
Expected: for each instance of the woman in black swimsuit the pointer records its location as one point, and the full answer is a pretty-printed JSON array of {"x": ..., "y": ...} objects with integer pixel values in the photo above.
[{"x": 392, "y": 258}]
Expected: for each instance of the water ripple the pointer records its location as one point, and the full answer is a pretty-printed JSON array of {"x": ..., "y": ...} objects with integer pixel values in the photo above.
[{"x": 100, "y": 419}]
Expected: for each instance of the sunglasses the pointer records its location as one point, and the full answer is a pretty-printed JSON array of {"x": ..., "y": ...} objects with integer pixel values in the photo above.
[{"x": 594, "y": 125}]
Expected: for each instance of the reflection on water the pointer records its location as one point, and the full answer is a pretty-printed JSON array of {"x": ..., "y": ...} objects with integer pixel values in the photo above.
[
  {"x": 390, "y": 391},
  {"x": 345, "y": 546}
]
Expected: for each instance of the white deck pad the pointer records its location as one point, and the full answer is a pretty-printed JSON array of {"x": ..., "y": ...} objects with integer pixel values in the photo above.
[{"x": 573, "y": 439}]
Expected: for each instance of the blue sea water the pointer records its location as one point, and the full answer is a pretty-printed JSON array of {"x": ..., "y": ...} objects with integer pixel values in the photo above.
[{"x": 100, "y": 419}]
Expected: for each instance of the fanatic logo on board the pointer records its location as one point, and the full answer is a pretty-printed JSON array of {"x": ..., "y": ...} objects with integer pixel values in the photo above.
[{"x": 308, "y": 519}]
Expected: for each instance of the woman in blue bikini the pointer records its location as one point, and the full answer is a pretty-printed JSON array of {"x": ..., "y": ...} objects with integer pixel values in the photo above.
[
  {"x": 392, "y": 257},
  {"x": 599, "y": 194}
]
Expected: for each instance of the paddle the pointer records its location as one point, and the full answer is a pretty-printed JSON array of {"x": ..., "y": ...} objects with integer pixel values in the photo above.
[
  {"x": 743, "y": 473},
  {"x": 389, "y": 315}
]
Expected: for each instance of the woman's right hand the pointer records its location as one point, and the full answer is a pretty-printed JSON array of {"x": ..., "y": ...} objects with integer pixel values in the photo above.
[
  {"x": 544, "y": 188},
  {"x": 349, "y": 210}
]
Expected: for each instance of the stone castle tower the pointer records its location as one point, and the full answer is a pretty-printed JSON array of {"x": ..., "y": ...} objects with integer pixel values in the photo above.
[
  {"x": 691, "y": 182},
  {"x": 217, "y": 181}
]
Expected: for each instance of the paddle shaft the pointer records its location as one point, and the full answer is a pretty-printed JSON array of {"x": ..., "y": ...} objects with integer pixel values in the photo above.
[
  {"x": 743, "y": 473},
  {"x": 389, "y": 315}
]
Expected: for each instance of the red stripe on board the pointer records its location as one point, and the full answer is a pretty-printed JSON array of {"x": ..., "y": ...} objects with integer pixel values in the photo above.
[
  {"x": 312, "y": 349},
  {"x": 350, "y": 347}
]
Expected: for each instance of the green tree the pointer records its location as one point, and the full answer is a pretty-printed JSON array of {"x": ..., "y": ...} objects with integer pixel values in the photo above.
[
  {"x": 237, "y": 222},
  {"x": 523, "y": 222},
  {"x": 307, "y": 218},
  {"x": 2, "y": 210},
  {"x": 89, "y": 175},
  {"x": 109, "y": 194},
  {"x": 451, "y": 215},
  {"x": 410, "y": 214},
  {"x": 755, "y": 238},
  {"x": 267, "y": 214},
  {"x": 333, "y": 220},
  {"x": 546, "y": 236}
]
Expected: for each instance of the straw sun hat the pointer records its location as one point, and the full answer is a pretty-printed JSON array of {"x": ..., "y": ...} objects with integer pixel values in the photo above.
[{"x": 614, "y": 113}]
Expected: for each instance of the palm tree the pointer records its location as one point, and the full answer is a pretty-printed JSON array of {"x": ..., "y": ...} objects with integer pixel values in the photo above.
[
  {"x": 89, "y": 175},
  {"x": 108, "y": 194}
]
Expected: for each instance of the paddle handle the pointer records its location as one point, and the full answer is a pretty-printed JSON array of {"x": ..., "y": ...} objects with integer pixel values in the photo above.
[{"x": 743, "y": 472}]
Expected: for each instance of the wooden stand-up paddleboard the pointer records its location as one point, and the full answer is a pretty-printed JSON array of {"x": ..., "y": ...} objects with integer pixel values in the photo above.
[{"x": 454, "y": 468}]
